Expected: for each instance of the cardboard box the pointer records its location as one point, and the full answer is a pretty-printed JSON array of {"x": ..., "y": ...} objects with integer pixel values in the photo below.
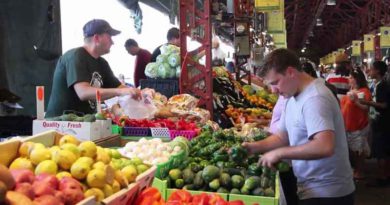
[
  {"x": 84, "y": 131},
  {"x": 9, "y": 151}
]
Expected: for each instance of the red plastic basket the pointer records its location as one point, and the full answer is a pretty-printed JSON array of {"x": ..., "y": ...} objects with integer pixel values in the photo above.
[
  {"x": 136, "y": 131},
  {"x": 189, "y": 134}
]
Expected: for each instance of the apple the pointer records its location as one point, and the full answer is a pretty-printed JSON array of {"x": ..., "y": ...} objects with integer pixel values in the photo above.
[
  {"x": 69, "y": 183},
  {"x": 47, "y": 200},
  {"x": 60, "y": 195},
  {"x": 73, "y": 196},
  {"x": 42, "y": 188},
  {"x": 23, "y": 175},
  {"x": 26, "y": 189},
  {"x": 49, "y": 179}
]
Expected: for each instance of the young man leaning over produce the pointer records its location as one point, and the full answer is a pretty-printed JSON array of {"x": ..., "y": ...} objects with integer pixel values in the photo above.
[
  {"x": 81, "y": 71},
  {"x": 311, "y": 133}
]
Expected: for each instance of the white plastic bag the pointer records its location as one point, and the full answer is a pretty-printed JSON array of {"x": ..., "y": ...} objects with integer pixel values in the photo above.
[{"x": 134, "y": 109}]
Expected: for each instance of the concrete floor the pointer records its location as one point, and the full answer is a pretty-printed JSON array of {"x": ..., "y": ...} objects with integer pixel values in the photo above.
[{"x": 371, "y": 196}]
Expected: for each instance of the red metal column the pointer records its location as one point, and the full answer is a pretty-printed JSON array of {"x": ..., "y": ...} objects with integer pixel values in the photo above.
[{"x": 196, "y": 79}]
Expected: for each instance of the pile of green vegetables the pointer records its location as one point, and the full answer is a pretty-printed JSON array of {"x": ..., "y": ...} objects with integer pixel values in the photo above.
[
  {"x": 217, "y": 162},
  {"x": 167, "y": 64}
]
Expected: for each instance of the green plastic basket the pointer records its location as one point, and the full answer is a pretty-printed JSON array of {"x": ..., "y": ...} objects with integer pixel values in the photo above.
[
  {"x": 116, "y": 129},
  {"x": 263, "y": 200},
  {"x": 161, "y": 185}
]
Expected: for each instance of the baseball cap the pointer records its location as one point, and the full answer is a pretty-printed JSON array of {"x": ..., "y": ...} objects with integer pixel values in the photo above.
[{"x": 98, "y": 26}]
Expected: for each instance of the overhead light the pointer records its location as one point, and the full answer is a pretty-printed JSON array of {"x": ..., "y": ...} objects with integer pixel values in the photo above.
[
  {"x": 307, "y": 41},
  {"x": 311, "y": 34},
  {"x": 319, "y": 22},
  {"x": 331, "y": 2}
]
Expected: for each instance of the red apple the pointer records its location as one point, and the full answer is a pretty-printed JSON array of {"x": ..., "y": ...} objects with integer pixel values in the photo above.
[
  {"x": 73, "y": 196},
  {"x": 42, "y": 188},
  {"x": 26, "y": 189},
  {"x": 49, "y": 179},
  {"x": 69, "y": 183},
  {"x": 47, "y": 200},
  {"x": 60, "y": 195},
  {"x": 23, "y": 175}
]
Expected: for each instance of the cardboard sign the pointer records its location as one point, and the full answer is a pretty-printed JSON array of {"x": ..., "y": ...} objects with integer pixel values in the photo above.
[
  {"x": 369, "y": 42},
  {"x": 356, "y": 48},
  {"x": 267, "y": 4},
  {"x": 83, "y": 131},
  {"x": 385, "y": 37}
]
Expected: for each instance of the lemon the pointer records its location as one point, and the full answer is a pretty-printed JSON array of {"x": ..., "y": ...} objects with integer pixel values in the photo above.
[
  {"x": 116, "y": 186},
  {"x": 47, "y": 167},
  {"x": 62, "y": 174},
  {"x": 87, "y": 149},
  {"x": 102, "y": 155},
  {"x": 97, "y": 193},
  {"x": 21, "y": 163},
  {"x": 64, "y": 159},
  {"x": 115, "y": 154},
  {"x": 24, "y": 148},
  {"x": 71, "y": 147},
  {"x": 141, "y": 168},
  {"x": 53, "y": 150},
  {"x": 69, "y": 139},
  {"x": 36, "y": 146},
  {"x": 96, "y": 178},
  {"x": 79, "y": 170},
  {"x": 85, "y": 160},
  {"x": 122, "y": 180},
  {"x": 136, "y": 161},
  {"x": 99, "y": 165},
  {"x": 108, "y": 191},
  {"x": 38, "y": 155},
  {"x": 130, "y": 172}
]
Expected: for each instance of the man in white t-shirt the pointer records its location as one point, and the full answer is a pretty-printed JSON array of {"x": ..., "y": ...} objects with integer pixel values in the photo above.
[{"x": 311, "y": 133}]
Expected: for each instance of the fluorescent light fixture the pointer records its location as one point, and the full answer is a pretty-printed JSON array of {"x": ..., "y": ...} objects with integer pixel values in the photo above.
[
  {"x": 319, "y": 22},
  {"x": 331, "y": 2}
]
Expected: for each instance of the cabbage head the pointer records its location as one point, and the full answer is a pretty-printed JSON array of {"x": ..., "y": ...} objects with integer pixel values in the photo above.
[{"x": 151, "y": 70}]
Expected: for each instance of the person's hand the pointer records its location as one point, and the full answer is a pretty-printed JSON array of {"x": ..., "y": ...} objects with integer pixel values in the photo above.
[
  {"x": 270, "y": 159},
  {"x": 248, "y": 146},
  {"x": 135, "y": 93}
]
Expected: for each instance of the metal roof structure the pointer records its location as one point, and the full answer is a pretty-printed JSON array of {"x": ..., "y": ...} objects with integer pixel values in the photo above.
[{"x": 343, "y": 22}]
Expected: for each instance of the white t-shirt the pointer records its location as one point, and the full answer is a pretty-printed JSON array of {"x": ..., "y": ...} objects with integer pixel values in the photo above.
[{"x": 312, "y": 111}]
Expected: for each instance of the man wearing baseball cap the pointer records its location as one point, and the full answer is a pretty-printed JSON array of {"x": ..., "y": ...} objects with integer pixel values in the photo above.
[{"x": 81, "y": 71}]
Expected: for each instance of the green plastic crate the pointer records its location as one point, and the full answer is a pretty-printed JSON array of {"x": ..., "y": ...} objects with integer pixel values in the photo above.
[
  {"x": 250, "y": 200},
  {"x": 161, "y": 185},
  {"x": 174, "y": 162},
  {"x": 193, "y": 193},
  {"x": 116, "y": 129},
  {"x": 163, "y": 169}
]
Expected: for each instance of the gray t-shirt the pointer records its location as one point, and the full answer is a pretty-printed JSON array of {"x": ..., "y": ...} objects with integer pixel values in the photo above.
[{"x": 312, "y": 111}]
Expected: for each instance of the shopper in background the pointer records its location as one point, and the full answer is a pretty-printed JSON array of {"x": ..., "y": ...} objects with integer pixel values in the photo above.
[
  {"x": 309, "y": 69},
  {"x": 311, "y": 133},
  {"x": 173, "y": 37},
  {"x": 81, "y": 71},
  {"x": 380, "y": 114},
  {"x": 340, "y": 77},
  {"x": 218, "y": 55},
  {"x": 142, "y": 59},
  {"x": 356, "y": 120}
]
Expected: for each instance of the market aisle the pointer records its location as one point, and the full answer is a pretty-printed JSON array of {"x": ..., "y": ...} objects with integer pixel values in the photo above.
[{"x": 371, "y": 196}]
